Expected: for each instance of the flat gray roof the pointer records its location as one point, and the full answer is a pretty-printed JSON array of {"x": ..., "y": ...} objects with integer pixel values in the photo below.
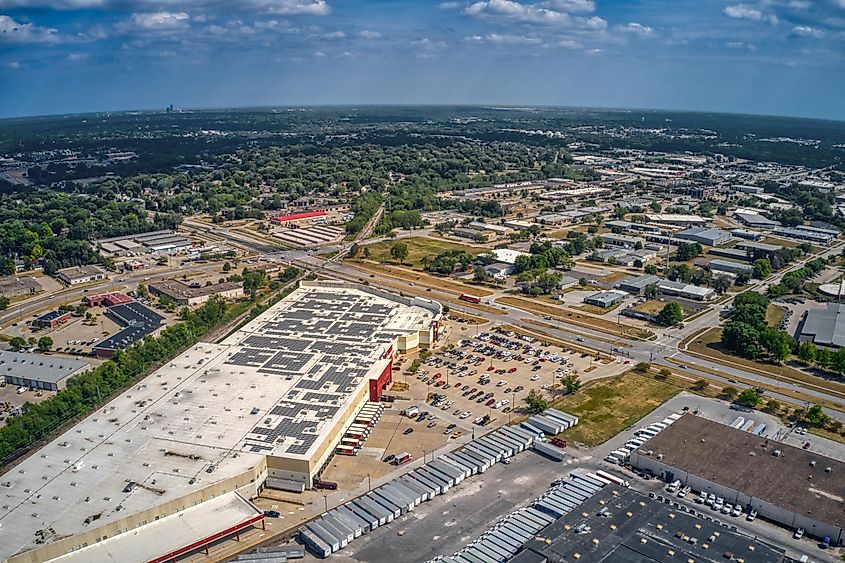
[
  {"x": 39, "y": 367},
  {"x": 826, "y": 326}
]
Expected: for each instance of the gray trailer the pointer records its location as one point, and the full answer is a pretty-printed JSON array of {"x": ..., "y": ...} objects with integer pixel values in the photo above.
[
  {"x": 475, "y": 466},
  {"x": 415, "y": 495},
  {"x": 445, "y": 482},
  {"x": 394, "y": 511},
  {"x": 573, "y": 420},
  {"x": 376, "y": 510},
  {"x": 546, "y": 424},
  {"x": 465, "y": 471},
  {"x": 488, "y": 551},
  {"x": 313, "y": 542},
  {"x": 531, "y": 428},
  {"x": 338, "y": 529},
  {"x": 550, "y": 451},
  {"x": 492, "y": 452},
  {"x": 351, "y": 521},
  {"x": 476, "y": 556},
  {"x": 426, "y": 481},
  {"x": 540, "y": 517},
  {"x": 517, "y": 445},
  {"x": 518, "y": 435},
  {"x": 503, "y": 547},
  {"x": 390, "y": 498},
  {"x": 445, "y": 470},
  {"x": 483, "y": 462},
  {"x": 469, "y": 468},
  {"x": 507, "y": 539},
  {"x": 519, "y": 430},
  {"x": 328, "y": 538},
  {"x": 361, "y": 513},
  {"x": 424, "y": 492},
  {"x": 409, "y": 501},
  {"x": 497, "y": 446},
  {"x": 483, "y": 453}
]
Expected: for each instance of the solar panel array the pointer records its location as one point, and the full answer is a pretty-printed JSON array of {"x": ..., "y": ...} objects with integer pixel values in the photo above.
[{"x": 327, "y": 342}]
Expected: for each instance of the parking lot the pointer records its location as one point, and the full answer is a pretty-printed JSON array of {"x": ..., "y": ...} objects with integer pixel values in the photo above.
[{"x": 484, "y": 378}]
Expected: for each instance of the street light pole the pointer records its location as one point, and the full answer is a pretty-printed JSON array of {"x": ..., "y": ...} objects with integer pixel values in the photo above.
[{"x": 369, "y": 483}]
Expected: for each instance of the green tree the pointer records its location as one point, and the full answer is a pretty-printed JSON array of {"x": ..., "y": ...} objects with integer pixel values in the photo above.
[
  {"x": 807, "y": 352},
  {"x": 651, "y": 269},
  {"x": 749, "y": 397},
  {"x": 815, "y": 416},
  {"x": 227, "y": 267},
  {"x": 45, "y": 343},
  {"x": 17, "y": 343},
  {"x": 651, "y": 291},
  {"x": 729, "y": 392},
  {"x": 776, "y": 343},
  {"x": 700, "y": 385},
  {"x": 571, "y": 383},
  {"x": 536, "y": 402},
  {"x": 399, "y": 251},
  {"x": 762, "y": 268},
  {"x": 772, "y": 406},
  {"x": 721, "y": 284},
  {"x": 4, "y": 302},
  {"x": 671, "y": 314}
]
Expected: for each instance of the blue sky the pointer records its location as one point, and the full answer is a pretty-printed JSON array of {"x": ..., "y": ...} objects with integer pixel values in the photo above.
[{"x": 781, "y": 57}]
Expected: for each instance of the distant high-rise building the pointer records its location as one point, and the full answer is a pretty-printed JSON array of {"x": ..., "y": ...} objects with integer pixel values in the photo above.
[{"x": 170, "y": 108}]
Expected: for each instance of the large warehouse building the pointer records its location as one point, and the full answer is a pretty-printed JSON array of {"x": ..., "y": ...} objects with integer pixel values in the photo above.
[
  {"x": 794, "y": 487},
  {"x": 271, "y": 401}
]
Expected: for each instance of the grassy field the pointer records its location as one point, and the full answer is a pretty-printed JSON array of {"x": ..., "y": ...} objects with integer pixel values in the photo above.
[
  {"x": 774, "y": 315},
  {"x": 444, "y": 284},
  {"x": 654, "y": 306},
  {"x": 418, "y": 248},
  {"x": 605, "y": 407}
]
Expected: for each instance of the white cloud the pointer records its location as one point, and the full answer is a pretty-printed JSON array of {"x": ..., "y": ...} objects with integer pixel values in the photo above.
[
  {"x": 13, "y": 65},
  {"x": 334, "y": 35},
  {"x": 572, "y": 6},
  {"x": 288, "y": 7},
  {"x": 807, "y": 31},
  {"x": 800, "y": 4},
  {"x": 366, "y": 34},
  {"x": 740, "y": 45},
  {"x": 449, "y": 5},
  {"x": 54, "y": 4},
  {"x": 746, "y": 12},
  {"x": 76, "y": 57},
  {"x": 427, "y": 44},
  {"x": 569, "y": 44},
  {"x": 291, "y": 7},
  {"x": 504, "y": 38},
  {"x": 154, "y": 21},
  {"x": 12, "y": 31},
  {"x": 638, "y": 29},
  {"x": 531, "y": 13}
]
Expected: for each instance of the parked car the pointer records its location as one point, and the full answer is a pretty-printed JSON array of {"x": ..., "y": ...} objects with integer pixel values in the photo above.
[
  {"x": 408, "y": 431},
  {"x": 799, "y": 533},
  {"x": 752, "y": 514}
]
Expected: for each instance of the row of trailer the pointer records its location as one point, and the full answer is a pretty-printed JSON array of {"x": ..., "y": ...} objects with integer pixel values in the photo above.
[
  {"x": 335, "y": 529},
  {"x": 641, "y": 436},
  {"x": 740, "y": 423},
  {"x": 360, "y": 429},
  {"x": 551, "y": 421},
  {"x": 275, "y": 554},
  {"x": 507, "y": 536}
]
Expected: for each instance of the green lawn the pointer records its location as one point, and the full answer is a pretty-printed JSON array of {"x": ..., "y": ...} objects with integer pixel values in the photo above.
[
  {"x": 418, "y": 247},
  {"x": 605, "y": 407}
]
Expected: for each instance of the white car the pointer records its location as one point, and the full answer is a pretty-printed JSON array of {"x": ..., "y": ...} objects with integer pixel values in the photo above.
[
  {"x": 535, "y": 377},
  {"x": 752, "y": 514},
  {"x": 736, "y": 511},
  {"x": 799, "y": 533},
  {"x": 727, "y": 509},
  {"x": 465, "y": 414}
]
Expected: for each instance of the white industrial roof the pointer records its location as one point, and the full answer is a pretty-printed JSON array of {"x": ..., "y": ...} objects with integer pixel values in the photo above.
[
  {"x": 168, "y": 534},
  {"x": 196, "y": 413},
  {"x": 38, "y": 367}
]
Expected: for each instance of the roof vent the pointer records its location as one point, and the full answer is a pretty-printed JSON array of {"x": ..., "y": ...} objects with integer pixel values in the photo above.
[
  {"x": 777, "y": 453},
  {"x": 812, "y": 463},
  {"x": 828, "y": 469}
]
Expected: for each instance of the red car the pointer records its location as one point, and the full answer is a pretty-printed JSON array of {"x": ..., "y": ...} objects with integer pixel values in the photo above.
[
  {"x": 457, "y": 385},
  {"x": 491, "y": 368},
  {"x": 512, "y": 370},
  {"x": 436, "y": 376},
  {"x": 490, "y": 402},
  {"x": 473, "y": 390},
  {"x": 440, "y": 383}
]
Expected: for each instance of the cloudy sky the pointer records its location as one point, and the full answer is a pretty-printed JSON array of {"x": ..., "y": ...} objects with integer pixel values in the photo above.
[{"x": 782, "y": 57}]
